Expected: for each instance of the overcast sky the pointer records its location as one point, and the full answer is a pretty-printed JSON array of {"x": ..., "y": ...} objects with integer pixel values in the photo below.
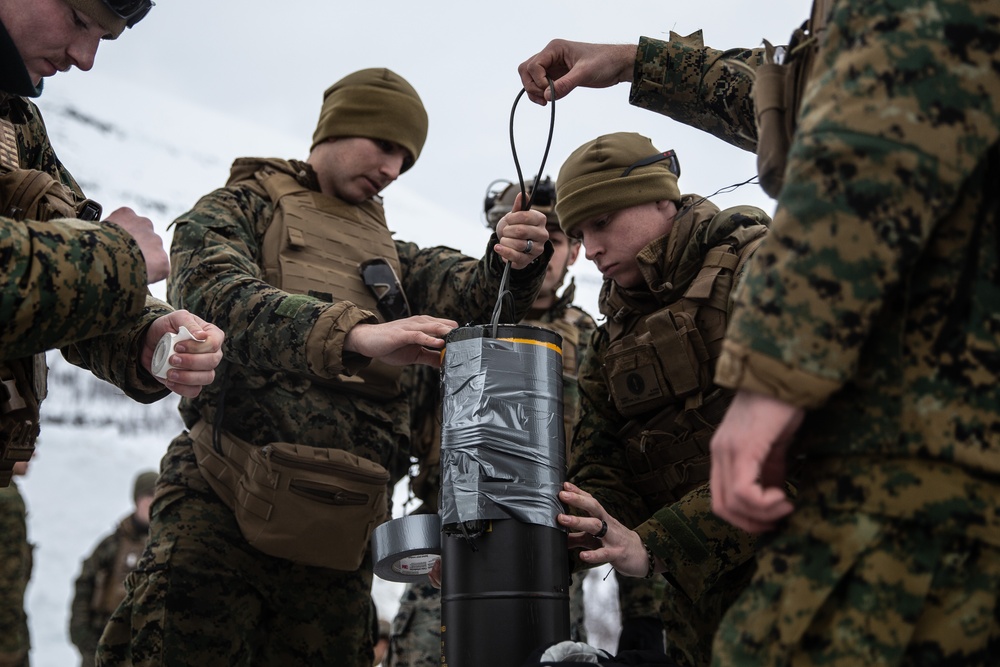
[{"x": 268, "y": 63}]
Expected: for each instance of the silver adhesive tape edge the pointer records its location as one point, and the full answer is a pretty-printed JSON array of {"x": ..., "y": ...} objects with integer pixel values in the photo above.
[{"x": 404, "y": 549}]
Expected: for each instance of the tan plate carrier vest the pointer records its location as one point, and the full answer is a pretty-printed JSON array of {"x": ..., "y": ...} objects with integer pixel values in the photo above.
[
  {"x": 659, "y": 369},
  {"x": 27, "y": 194},
  {"x": 315, "y": 245}
]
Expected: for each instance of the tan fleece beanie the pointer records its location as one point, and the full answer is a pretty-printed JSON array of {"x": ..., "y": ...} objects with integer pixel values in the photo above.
[
  {"x": 591, "y": 183},
  {"x": 377, "y": 104},
  {"x": 97, "y": 10}
]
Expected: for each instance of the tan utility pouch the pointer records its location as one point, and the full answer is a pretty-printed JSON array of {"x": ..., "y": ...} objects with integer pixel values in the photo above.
[
  {"x": 667, "y": 362},
  {"x": 310, "y": 505},
  {"x": 777, "y": 95}
]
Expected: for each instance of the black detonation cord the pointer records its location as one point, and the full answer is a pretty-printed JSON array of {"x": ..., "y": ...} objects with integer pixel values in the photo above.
[{"x": 525, "y": 200}]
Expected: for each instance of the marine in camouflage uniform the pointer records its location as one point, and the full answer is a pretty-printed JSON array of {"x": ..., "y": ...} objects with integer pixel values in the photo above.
[
  {"x": 202, "y": 594},
  {"x": 416, "y": 632},
  {"x": 66, "y": 283},
  {"x": 15, "y": 571},
  {"x": 100, "y": 588},
  {"x": 648, "y": 405},
  {"x": 872, "y": 311}
]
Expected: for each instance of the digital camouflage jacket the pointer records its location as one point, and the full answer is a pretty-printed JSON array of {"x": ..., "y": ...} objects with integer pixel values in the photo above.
[
  {"x": 873, "y": 302},
  {"x": 696, "y": 545},
  {"x": 282, "y": 349},
  {"x": 71, "y": 284}
]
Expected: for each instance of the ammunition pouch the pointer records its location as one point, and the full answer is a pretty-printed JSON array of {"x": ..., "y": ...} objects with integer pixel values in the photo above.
[
  {"x": 22, "y": 389},
  {"x": 667, "y": 362},
  {"x": 669, "y": 455},
  {"x": 310, "y": 505},
  {"x": 777, "y": 95}
]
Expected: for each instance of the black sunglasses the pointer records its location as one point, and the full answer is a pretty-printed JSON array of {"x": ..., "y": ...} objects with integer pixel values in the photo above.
[
  {"x": 673, "y": 163},
  {"x": 132, "y": 11}
]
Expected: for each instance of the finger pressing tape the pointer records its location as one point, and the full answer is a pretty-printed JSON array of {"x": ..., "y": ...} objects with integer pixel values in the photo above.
[
  {"x": 405, "y": 549},
  {"x": 165, "y": 349}
]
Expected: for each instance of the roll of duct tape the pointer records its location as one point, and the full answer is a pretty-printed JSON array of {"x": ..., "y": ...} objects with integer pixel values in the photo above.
[
  {"x": 405, "y": 549},
  {"x": 165, "y": 348}
]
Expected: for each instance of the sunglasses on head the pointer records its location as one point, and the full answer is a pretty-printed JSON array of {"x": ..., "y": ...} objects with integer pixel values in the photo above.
[
  {"x": 132, "y": 11},
  {"x": 673, "y": 164}
]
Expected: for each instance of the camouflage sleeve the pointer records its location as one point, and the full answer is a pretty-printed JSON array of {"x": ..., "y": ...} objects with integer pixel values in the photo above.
[
  {"x": 597, "y": 462},
  {"x": 696, "y": 546},
  {"x": 698, "y": 86},
  {"x": 215, "y": 272},
  {"x": 889, "y": 140},
  {"x": 443, "y": 282},
  {"x": 84, "y": 629},
  {"x": 14, "y": 573},
  {"x": 116, "y": 357},
  {"x": 65, "y": 281}
]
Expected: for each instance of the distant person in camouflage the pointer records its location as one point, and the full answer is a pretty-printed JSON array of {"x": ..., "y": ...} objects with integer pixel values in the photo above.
[
  {"x": 15, "y": 571},
  {"x": 100, "y": 588},
  {"x": 416, "y": 635},
  {"x": 69, "y": 281},
  {"x": 648, "y": 403},
  {"x": 866, "y": 339},
  {"x": 259, "y": 533}
]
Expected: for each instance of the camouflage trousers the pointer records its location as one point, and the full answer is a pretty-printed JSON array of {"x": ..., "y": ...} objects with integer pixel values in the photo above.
[
  {"x": 849, "y": 588},
  {"x": 200, "y": 595},
  {"x": 416, "y": 629},
  {"x": 690, "y": 625}
]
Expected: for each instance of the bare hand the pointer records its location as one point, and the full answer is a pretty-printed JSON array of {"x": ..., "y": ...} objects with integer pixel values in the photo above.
[
  {"x": 619, "y": 546},
  {"x": 748, "y": 461},
  {"x": 194, "y": 361},
  {"x": 412, "y": 340},
  {"x": 572, "y": 64},
  {"x": 149, "y": 242},
  {"x": 434, "y": 574},
  {"x": 522, "y": 236}
]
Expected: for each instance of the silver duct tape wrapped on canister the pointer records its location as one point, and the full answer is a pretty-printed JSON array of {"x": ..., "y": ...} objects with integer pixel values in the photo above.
[
  {"x": 502, "y": 440},
  {"x": 405, "y": 549}
]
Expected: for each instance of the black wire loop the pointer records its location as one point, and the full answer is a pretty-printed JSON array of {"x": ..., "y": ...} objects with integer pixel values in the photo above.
[{"x": 526, "y": 201}]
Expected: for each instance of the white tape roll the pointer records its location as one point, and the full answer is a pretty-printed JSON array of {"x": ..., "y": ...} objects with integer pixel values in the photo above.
[
  {"x": 405, "y": 549},
  {"x": 164, "y": 350}
]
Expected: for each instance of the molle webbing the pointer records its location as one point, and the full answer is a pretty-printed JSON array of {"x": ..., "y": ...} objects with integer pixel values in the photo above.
[{"x": 315, "y": 245}]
